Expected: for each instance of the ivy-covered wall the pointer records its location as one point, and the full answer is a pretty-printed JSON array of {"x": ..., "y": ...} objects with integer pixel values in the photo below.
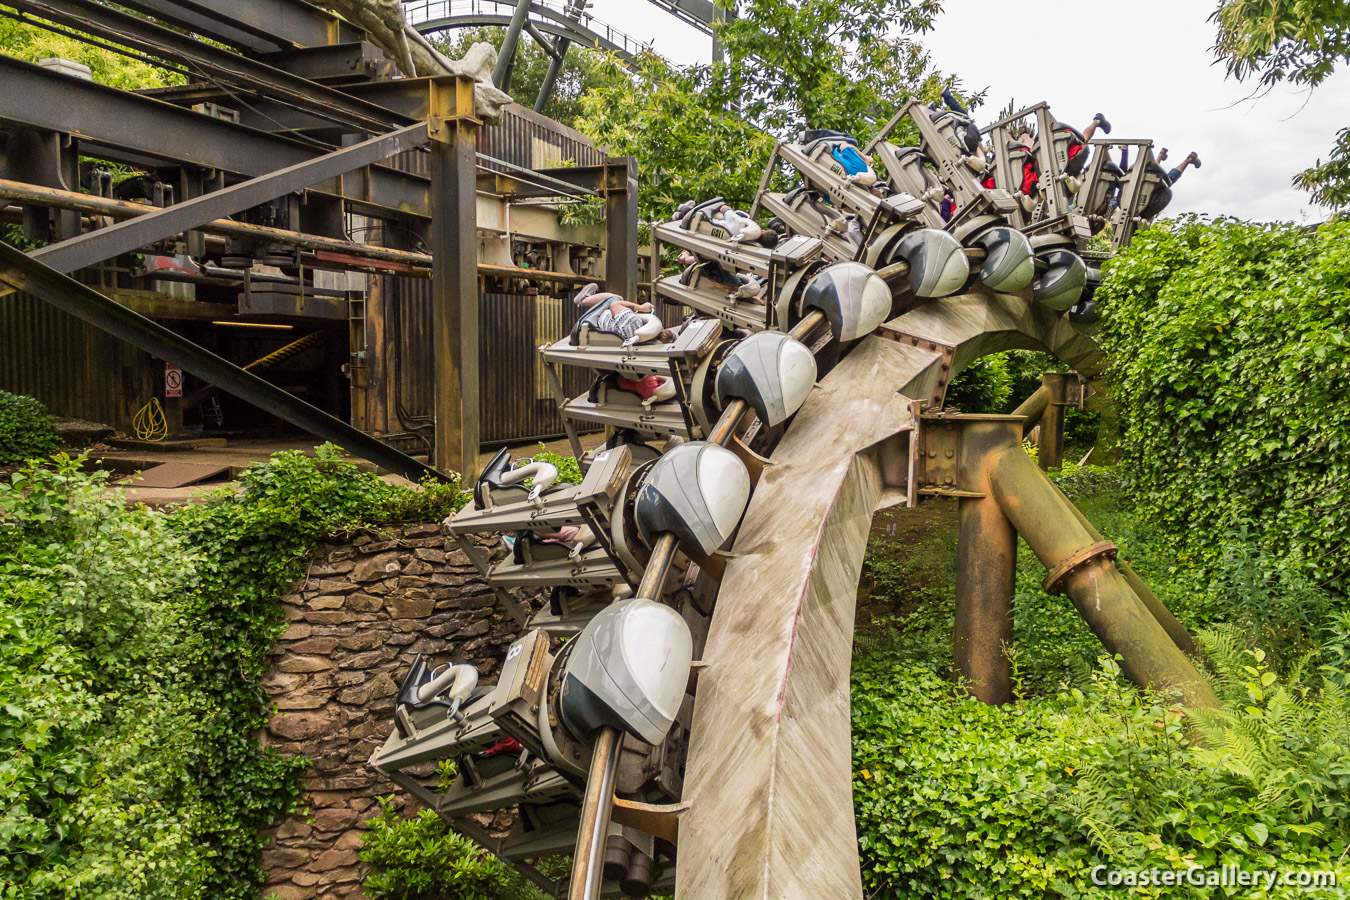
[{"x": 370, "y": 602}]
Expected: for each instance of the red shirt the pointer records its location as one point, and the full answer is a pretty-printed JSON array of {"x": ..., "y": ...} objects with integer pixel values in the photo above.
[{"x": 644, "y": 387}]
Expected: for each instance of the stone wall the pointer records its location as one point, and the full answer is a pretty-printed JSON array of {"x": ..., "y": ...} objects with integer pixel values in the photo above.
[{"x": 370, "y": 603}]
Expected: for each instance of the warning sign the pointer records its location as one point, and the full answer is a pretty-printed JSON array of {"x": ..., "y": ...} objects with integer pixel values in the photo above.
[{"x": 173, "y": 380}]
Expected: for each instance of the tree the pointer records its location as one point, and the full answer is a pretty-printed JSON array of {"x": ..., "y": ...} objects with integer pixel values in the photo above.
[
  {"x": 30, "y": 42},
  {"x": 1295, "y": 41},
  {"x": 826, "y": 63},
  {"x": 679, "y": 125}
]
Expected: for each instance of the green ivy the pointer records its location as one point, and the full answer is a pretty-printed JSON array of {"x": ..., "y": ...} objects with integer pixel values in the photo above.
[
  {"x": 955, "y": 799},
  {"x": 132, "y": 648},
  {"x": 1228, "y": 344},
  {"x": 25, "y": 429}
]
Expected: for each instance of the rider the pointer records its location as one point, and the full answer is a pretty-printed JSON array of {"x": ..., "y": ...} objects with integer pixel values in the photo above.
[{"x": 634, "y": 322}]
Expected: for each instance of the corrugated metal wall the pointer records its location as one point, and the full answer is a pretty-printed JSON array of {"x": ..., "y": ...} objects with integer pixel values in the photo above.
[
  {"x": 73, "y": 368},
  {"x": 516, "y": 402},
  {"x": 525, "y": 138}
]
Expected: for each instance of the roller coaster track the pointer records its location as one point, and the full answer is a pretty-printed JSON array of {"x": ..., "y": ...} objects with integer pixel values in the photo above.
[
  {"x": 434, "y": 16},
  {"x": 771, "y": 729}
]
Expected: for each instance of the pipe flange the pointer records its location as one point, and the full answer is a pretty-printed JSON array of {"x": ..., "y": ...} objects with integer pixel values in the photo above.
[{"x": 1054, "y": 579}]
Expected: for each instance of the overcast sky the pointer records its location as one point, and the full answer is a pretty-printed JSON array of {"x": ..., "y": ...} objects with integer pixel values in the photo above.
[{"x": 1145, "y": 64}]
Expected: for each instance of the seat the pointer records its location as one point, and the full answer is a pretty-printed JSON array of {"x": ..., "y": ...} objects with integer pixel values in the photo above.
[
  {"x": 1156, "y": 193},
  {"x": 1095, "y": 197},
  {"x": 1070, "y": 141},
  {"x": 489, "y": 490},
  {"x": 585, "y": 331}
]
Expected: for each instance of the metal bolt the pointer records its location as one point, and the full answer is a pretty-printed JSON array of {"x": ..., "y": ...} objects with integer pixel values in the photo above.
[{"x": 951, "y": 453}]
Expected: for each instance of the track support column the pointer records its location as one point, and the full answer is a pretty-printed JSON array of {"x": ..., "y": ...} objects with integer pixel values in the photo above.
[
  {"x": 621, "y": 226},
  {"x": 986, "y": 567},
  {"x": 1051, "y": 450},
  {"x": 454, "y": 273}
]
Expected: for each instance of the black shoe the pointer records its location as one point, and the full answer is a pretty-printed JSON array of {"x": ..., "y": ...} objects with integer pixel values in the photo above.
[{"x": 1102, "y": 123}]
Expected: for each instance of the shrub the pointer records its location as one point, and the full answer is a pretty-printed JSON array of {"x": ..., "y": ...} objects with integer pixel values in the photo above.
[
  {"x": 569, "y": 470},
  {"x": 955, "y": 799},
  {"x": 25, "y": 429},
  {"x": 132, "y": 648},
  {"x": 1228, "y": 344},
  {"x": 421, "y": 859}
]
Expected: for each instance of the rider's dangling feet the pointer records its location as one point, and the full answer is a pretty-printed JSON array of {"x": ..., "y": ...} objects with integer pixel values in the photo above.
[
  {"x": 1102, "y": 123},
  {"x": 1193, "y": 158}
]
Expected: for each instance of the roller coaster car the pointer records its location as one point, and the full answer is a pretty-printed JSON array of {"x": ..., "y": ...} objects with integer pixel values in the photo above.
[
  {"x": 702, "y": 218},
  {"x": 713, "y": 299},
  {"x": 912, "y": 171},
  {"x": 782, "y": 268},
  {"x": 839, "y": 153},
  {"x": 804, "y": 211},
  {"x": 960, "y": 132},
  {"x": 642, "y": 452},
  {"x": 527, "y": 743},
  {"x": 588, "y": 503},
  {"x": 1094, "y": 197},
  {"x": 614, "y": 400},
  {"x": 842, "y": 193},
  {"x": 595, "y": 349},
  {"x": 1156, "y": 192},
  {"x": 594, "y": 567},
  {"x": 1071, "y": 148}
]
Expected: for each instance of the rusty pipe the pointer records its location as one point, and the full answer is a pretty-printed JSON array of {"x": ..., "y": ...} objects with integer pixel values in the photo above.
[
  {"x": 1180, "y": 636},
  {"x": 1082, "y": 567},
  {"x": 597, "y": 807},
  {"x": 1050, "y": 453},
  {"x": 1033, "y": 408},
  {"x": 419, "y": 264},
  {"x": 986, "y": 567}
]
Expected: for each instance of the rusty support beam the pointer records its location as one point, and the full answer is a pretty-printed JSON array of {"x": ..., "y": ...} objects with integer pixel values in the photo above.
[
  {"x": 621, "y": 226},
  {"x": 1083, "y": 568},
  {"x": 214, "y": 62},
  {"x": 140, "y": 231},
  {"x": 22, "y": 273},
  {"x": 986, "y": 568},
  {"x": 454, "y": 295},
  {"x": 1033, "y": 408},
  {"x": 1050, "y": 449},
  {"x": 1180, "y": 636}
]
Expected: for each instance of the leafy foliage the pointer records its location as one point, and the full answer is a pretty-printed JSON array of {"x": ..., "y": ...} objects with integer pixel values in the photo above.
[
  {"x": 703, "y": 131},
  {"x": 132, "y": 646},
  {"x": 681, "y": 127},
  {"x": 1329, "y": 182},
  {"x": 825, "y": 63},
  {"x": 30, "y": 43},
  {"x": 25, "y": 429},
  {"x": 569, "y": 470},
  {"x": 1233, "y": 387},
  {"x": 1299, "y": 41},
  {"x": 1282, "y": 40},
  {"x": 421, "y": 859},
  {"x": 955, "y": 799}
]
